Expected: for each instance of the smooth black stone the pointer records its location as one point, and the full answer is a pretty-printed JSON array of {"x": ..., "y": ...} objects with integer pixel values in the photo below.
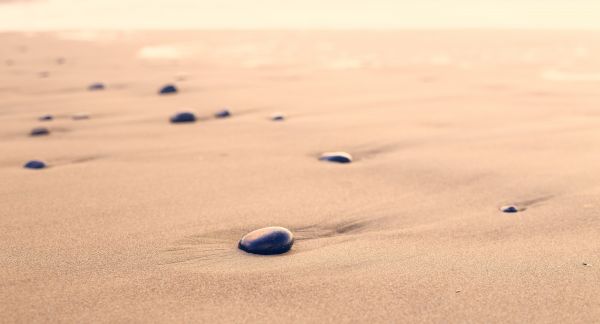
[
  {"x": 277, "y": 117},
  {"x": 338, "y": 157},
  {"x": 39, "y": 131},
  {"x": 267, "y": 241},
  {"x": 34, "y": 164},
  {"x": 223, "y": 114},
  {"x": 509, "y": 209},
  {"x": 168, "y": 89},
  {"x": 46, "y": 117},
  {"x": 183, "y": 117},
  {"x": 96, "y": 86}
]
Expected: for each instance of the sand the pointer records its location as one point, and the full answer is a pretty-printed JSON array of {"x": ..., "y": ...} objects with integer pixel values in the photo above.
[{"x": 137, "y": 219}]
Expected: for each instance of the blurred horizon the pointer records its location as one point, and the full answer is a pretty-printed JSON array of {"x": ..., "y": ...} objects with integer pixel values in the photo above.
[{"x": 42, "y": 15}]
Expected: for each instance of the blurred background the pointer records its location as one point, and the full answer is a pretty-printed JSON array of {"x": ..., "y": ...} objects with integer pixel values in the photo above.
[{"x": 313, "y": 14}]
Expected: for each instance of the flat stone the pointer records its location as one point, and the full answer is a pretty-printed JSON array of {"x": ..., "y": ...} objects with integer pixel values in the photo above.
[
  {"x": 46, "y": 118},
  {"x": 183, "y": 117},
  {"x": 168, "y": 89},
  {"x": 39, "y": 131},
  {"x": 223, "y": 114},
  {"x": 277, "y": 117},
  {"x": 509, "y": 209},
  {"x": 35, "y": 164},
  {"x": 267, "y": 241},
  {"x": 96, "y": 86},
  {"x": 338, "y": 157}
]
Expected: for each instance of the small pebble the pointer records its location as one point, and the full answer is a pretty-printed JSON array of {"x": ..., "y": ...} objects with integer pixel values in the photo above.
[
  {"x": 34, "y": 164},
  {"x": 96, "y": 86},
  {"x": 39, "y": 131},
  {"x": 277, "y": 117},
  {"x": 509, "y": 209},
  {"x": 44, "y": 74},
  {"x": 80, "y": 116},
  {"x": 168, "y": 89},
  {"x": 60, "y": 61},
  {"x": 223, "y": 114},
  {"x": 46, "y": 117},
  {"x": 585, "y": 264},
  {"x": 268, "y": 240},
  {"x": 338, "y": 157},
  {"x": 183, "y": 117}
]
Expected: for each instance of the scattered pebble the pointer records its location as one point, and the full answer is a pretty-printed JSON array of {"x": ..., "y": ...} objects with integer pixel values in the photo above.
[
  {"x": 44, "y": 74},
  {"x": 39, "y": 131},
  {"x": 96, "y": 86},
  {"x": 223, "y": 114},
  {"x": 46, "y": 117},
  {"x": 339, "y": 157},
  {"x": 35, "y": 164},
  {"x": 183, "y": 117},
  {"x": 80, "y": 116},
  {"x": 168, "y": 89},
  {"x": 277, "y": 117},
  {"x": 585, "y": 264},
  {"x": 509, "y": 209},
  {"x": 268, "y": 240},
  {"x": 60, "y": 61}
]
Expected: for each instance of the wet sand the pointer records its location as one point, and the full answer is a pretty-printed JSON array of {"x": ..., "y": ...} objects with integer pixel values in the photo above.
[{"x": 137, "y": 219}]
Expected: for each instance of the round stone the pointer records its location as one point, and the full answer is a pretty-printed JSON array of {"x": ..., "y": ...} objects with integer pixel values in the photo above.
[
  {"x": 45, "y": 118},
  {"x": 168, "y": 89},
  {"x": 183, "y": 117},
  {"x": 268, "y": 240},
  {"x": 35, "y": 164},
  {"x": 96, "y": 86},
  {"x": 509, "y": 209},
  {"x": 277, "y": 117},
  {"x": 223, "y": 114},
  {"x": 338, "y": 157},
  {"x": 39, "y": 131}
]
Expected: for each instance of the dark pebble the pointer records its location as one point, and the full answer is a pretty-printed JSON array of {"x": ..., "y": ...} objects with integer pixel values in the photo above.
[
  {"x": 277, "y": 117},
  {"x": 39, "y": 131},
  {"x": 96, "y": 86},
  {"x": 183, "y": 117},
  {"x": 34, "y": 164},
  {"x": 223, "y": 114},
  {"x": 338, "y": 157},
  {"x": 46, "y": 117},
  {"x": 268, "y": 240},
  {"x": 509, "y": 209},
  {"x": 168, "y": 89}
]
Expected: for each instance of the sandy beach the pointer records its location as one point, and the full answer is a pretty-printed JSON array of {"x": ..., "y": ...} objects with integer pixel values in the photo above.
[{"x": 136, "y": 219}]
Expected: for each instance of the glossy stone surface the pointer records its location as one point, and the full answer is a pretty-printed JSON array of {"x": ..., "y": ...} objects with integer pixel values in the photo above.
[
  {"x": 46, "y": 118},
  {"x": 223, "y": 114},
  {"x": 338, "y": 157},
  {"x": 268, "y": 240},
  {"x": 96, "y": 86},
  {"x": 183, "y": 117},
  {"x": 35, "y": 164},
  {"x": 168, "y": 89},
  {"x": 509, "y": 209},
  {"x": 39, "y": 131}
]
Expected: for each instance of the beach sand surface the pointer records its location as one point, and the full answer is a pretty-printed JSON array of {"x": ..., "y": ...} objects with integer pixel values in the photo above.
[{"x": 137, "y": 219}]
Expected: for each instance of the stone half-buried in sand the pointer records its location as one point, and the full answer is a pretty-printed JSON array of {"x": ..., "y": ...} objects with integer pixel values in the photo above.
[
  {"x": 39, "y": 131},
  {"x": 337, "y": 157},
  {"x": 267, "y": 241},
  {"x": 510, "y": 209},
  {"x": 35, "y": 164},
  {"x": 225, "y": 113},
  {"x": 168, "y": 89},
  {"x": 183, "y": 117},
  {"x": 96, "y": 86}
]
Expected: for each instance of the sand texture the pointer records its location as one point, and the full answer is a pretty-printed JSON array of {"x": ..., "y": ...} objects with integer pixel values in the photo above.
[{"x": 137, "y": 219}]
